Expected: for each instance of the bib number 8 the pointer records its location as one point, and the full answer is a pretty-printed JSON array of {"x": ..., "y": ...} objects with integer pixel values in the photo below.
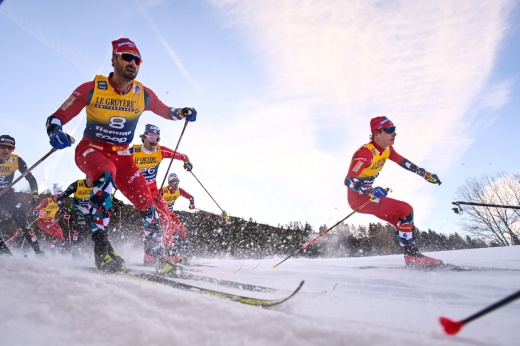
[{"x": 117, "y": 122}]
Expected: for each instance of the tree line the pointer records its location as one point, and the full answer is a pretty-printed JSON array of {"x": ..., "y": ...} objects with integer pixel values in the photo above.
[{"x": 212, "y": 235}]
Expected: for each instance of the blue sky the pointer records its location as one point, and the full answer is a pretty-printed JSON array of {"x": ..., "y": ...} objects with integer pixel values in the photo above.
[{"x": 285, "y": 91}]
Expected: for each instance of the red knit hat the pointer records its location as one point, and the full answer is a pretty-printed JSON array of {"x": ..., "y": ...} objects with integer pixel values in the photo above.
[
  {"x": 125, "y": 45},
  {"x": 380, "y": 123}
]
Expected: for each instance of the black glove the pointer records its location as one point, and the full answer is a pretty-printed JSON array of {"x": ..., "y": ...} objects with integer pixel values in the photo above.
[
  {"x": 188, "y": 113},
  {"x": 35, "y": 199},
  {"x": 188, "y": 166},
  {"x": 64, "y": 210}
]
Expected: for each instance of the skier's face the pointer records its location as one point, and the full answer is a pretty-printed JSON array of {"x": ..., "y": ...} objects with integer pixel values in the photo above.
[
  {"x": 150, "y": 141},
  {"x": 126, "y": 69},
  {"x": 5, "y": 151},
  {"x": 386, "y": 137},
  {"x": 174, "y": 185}
]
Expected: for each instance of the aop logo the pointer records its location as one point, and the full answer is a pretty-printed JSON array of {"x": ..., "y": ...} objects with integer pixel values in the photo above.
[
  {"x": 86, "y": 152},
  {"x": 134, "y": 176}
]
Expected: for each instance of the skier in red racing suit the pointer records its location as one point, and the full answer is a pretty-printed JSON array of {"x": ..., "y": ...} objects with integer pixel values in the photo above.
[{"x": 364, "y": 168}]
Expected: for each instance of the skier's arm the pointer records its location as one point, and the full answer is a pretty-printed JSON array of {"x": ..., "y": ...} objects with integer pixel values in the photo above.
[
  {"x": 168, "y": 153},
  {"x": 33, "y": 184},
  {"x": 70, "y": 190},
  {"x": 155, "y": 105},
  {"x": 41, "y": 205},
  {"x": 361, "y": 160},
  {"x": 412, "y": 167},
  {"x": 71, "y": 107},
  {"x": 68, "y": 110},
  {"x": 188, "y": 197}
]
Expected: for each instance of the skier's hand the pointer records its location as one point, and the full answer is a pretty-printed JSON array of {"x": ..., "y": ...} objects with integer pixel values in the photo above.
[
  {"x": 188, "y": 166},
  {"x": 432, "y": 178},
  {"x": 378, "y": 192},
  {"x": 35, "y": 212},
  {"x": 192, "y": 203},
  {"x": 188, "y": 113},
  {"x": 60, "y": 140},
  {"x": 35, "y": 199},
  {"x": 64, "y": 210}
]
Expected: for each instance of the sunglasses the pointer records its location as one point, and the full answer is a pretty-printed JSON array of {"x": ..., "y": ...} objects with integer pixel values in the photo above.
[
  {"x": 3, "y": 146},
  {"x": 174, "y": 182},
  {"x": 389, "y": 130},
  {"x": 153, "y": 138},
  {"x": 129, "y": 57}
]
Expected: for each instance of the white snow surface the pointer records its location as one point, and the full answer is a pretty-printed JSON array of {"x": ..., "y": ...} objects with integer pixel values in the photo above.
[{"x": 54, "y": 302}]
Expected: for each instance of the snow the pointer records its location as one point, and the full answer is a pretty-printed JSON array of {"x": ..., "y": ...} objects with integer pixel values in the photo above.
[{"x": 53, "y": 302}]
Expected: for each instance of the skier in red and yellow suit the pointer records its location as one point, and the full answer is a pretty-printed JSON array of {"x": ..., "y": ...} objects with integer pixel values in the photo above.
[
  {"x": 113, "y": 105},
  {"x": 171, "y": 193},
  {"x": 148, "y": 157},
  {"x": 47, "y": 222},
  {"x": 365, "y": 166}
]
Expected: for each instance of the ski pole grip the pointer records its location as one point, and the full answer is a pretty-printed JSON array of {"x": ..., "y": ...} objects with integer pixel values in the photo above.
[{"x": 71, "y": 139}]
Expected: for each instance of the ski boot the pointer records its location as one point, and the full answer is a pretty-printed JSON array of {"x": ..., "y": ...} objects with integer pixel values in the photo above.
[
  {"x": 31, "y": 237},
  {"x": 105, "y": 257},
  {"x": 53, "y": 246},
  {"x": 168, "y": 268},
  {"x": 414, "y": 259},
  {"x": 75, "y": 249},
  {"x": 4, "y": 250}
]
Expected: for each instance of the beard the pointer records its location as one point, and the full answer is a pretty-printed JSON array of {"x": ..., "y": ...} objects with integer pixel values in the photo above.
[{"x": 128, "y": 72}]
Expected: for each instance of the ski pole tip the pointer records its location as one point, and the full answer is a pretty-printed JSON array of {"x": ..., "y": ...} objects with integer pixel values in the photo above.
[
  {"x": 450, "y": 327},
  {"x": 273, "y": 266}
]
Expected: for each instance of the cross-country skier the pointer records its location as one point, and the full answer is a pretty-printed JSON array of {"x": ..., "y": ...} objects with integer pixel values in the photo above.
[
  {"x": 79, "y": 211},
  {"x": 176, "y": 241},
  {"x": 113, "y": 105},
  {"x": 9, "y": 164},
  {"x": 47, "y": 222},
  {"x": 365, "y": 166},
  {"x": 148, "y": 157}
]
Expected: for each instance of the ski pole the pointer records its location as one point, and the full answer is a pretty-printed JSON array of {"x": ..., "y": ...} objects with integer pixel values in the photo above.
[
  {"x": 227, "y": 217},
  {"x": 67, "y": 217},
  {"x": 170, "y": 165},
  {"x": 453, "y": 327},
  {"x": 323, "y": 233},
  {"x": 223, "y": 212},
  {"x": 32, "y": 167},
  {"x": 13, "y": 237}
]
